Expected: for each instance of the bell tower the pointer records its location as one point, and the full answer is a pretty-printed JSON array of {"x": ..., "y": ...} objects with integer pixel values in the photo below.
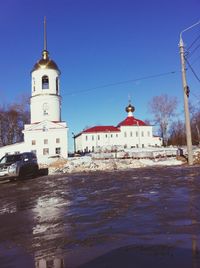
[
  {"x": 45, "y": 102},
  {"x": 46, "y": 135}
]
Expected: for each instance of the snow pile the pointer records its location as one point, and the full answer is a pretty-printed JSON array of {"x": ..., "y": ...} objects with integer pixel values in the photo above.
[
  {"x": 196, "y": 156},
  {"x": 87, "y": 164},
  {"x": 136, "y": 153},
  {"x": 162, "y": 162}
]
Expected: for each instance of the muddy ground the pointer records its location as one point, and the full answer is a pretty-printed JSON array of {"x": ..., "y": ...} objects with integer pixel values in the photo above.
[{"x": 148, "y": 217}]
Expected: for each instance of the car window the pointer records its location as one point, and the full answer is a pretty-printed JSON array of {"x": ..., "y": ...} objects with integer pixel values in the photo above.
[
  {"x": 10, "y": 159},
  {"x": 3, "y": 160}
]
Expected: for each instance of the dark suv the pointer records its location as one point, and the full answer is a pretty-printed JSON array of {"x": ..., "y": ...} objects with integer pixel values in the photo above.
[{"x": 18, "y": 165}]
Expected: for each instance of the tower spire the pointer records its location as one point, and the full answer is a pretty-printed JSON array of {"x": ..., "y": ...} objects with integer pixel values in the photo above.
[
  {"x": 45, "y": 34},
  {"x": 45, "y": 53}
]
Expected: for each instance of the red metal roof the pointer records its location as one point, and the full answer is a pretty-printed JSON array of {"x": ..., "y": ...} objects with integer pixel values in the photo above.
[
  {"x": 101, "y": 129},
  {"x": 131, "y": 121}
]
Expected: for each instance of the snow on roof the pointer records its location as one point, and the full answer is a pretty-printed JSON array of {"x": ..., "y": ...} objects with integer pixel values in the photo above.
[
  {"x": 101, "y": 129},
  {"x": 131, "y": 121}
]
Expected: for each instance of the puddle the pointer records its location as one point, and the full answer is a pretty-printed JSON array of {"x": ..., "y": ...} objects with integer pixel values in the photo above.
[
  {"x": 184, "y": 222},
  {"x": 15, "y": 257},
  {"x": 144, "y": 216}
]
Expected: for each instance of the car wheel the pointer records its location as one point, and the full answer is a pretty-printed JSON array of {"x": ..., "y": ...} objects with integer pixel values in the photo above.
[
  {"x": 35, "y": 172},
  {"x": 21, "y": 174}
]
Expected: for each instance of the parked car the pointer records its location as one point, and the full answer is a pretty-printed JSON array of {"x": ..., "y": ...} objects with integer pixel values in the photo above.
[{"x": 18, "y": 165}]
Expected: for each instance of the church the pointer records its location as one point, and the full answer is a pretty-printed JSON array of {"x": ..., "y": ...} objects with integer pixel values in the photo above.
[
  {"x": 46, "y": 135},
  {"x": 130, "y": 133}
]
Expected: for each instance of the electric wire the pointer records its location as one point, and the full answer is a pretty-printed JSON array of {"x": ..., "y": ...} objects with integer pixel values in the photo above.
[
  {"x": 192, "y": 93},
  {"x": 189, "y": 54},
  {"x": 120, "y": 83},
  {"x": 191, "y": 68},
  {"x": 196, "y": 39}
]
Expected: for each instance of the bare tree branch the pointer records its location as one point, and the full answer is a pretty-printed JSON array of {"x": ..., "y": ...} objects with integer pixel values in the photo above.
[{"x": 163, "y": 109}]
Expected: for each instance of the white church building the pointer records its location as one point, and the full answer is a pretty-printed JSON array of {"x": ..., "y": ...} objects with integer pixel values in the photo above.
[
  {"x": 130, "y": 133},
  {"x": 46, "y": 135}
]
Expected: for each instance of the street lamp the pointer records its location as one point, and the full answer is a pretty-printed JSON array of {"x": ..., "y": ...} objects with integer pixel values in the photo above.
[
  {"x": 186, "y": 96},
  {"x": 74, "y": 142}
]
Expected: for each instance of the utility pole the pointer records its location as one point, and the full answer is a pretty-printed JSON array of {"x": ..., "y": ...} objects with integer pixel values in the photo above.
[
  {"x": 186, "y": 92},
  {"x": 186, "y": 107}
]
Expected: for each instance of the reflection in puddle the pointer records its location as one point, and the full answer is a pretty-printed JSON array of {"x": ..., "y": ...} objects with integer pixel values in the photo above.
[
  {"x": 46, "y": 211},
  {"x": 51, "y": 263},
  {"x": 8, "y": 208}
]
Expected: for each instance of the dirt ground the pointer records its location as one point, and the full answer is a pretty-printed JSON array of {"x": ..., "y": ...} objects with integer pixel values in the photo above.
[{"x": 146, "y": 217}]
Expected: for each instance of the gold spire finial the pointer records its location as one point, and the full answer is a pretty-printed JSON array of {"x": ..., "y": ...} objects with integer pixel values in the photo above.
[
  {"x": 45, "y": 53},
  {"x": 45, "y": 34}
]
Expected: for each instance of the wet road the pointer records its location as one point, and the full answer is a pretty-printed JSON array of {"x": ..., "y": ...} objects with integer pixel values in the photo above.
[{"x": 147, "y": 217}]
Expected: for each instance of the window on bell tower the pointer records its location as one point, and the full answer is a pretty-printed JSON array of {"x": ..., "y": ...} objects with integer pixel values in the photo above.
[
  {"x": 56, "y": 85},
  {"x": 45, "y": 82},
  {"x": 33, "y": 84}
]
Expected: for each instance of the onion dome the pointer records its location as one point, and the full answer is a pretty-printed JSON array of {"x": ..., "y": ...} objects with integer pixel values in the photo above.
[
  {"x": 45, "y": 62},
  {"x": 130, "y": 108},
  {"x": 130, "y": 119}
]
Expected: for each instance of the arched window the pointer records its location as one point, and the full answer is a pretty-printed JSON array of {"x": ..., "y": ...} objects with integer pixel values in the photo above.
[
  {"x": 57, "y": 85},
  {"x": 33, "y": 84},
  {"x": 45, "y": 82},
  {"x": 45, "y": 108}
]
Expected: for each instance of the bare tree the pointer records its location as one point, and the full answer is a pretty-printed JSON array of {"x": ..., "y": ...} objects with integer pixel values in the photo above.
[
  {"x": 163, "y": 108},
  {"x": 12, "y": 120},
  {"x": 177, "y": 134},
  {"x": 195, "y": 125},
  {"x": 2, "y": 125},
  {"x": 147, "y": 122}
]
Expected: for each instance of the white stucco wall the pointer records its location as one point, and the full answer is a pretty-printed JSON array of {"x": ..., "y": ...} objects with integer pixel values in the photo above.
[
  {"x": 37, "y": 108},
  {"x": 52, "y": 136},
  {"x": 42, "y": 98},
  {"x": 37, "y": 81},
  {"x": 89, "y": 141},
  {"x": 27, "y": 146},
  {"x": 127, "y": 137},
  {"x": 79, "y": 143}
]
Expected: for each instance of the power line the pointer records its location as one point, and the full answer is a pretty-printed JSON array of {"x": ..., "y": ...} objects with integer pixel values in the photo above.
[
  {"x": 192, "y": 69},
  {"x": 191, "y": 53},
  {"x": 193, "y": 42},
  {"x": 121, "y": 83}
]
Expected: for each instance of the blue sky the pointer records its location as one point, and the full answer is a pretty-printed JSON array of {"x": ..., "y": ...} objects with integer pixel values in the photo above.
[{"x": 96, "y": 43}]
